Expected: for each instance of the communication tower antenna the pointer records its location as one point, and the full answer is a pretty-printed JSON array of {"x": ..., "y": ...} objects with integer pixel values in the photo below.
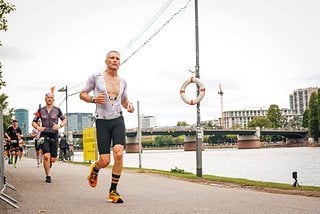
[{"x": 220, "y": 92}]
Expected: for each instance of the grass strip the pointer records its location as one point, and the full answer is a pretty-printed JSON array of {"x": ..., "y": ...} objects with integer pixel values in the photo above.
[{"x": 228, "y": 181}]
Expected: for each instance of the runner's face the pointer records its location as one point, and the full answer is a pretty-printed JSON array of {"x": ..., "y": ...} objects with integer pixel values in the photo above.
[
  {"x": 15, "y": 124},
  {"x": 49, "y": 99},
  {"x": 113, "y": 60}
]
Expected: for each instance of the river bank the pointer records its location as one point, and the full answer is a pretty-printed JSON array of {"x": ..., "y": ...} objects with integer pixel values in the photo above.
[
  {"x": 264, "y": 164},
  {"x": 233, "y": 146}
]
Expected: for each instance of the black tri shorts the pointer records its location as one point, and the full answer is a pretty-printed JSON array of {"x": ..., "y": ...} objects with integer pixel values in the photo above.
[
  {"x": 50, "y": 145},
  {"x": 110, "y": 131}
]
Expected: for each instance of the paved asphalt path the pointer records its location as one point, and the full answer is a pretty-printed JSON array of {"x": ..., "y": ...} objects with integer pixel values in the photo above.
[{"x": 142, "y": 193}]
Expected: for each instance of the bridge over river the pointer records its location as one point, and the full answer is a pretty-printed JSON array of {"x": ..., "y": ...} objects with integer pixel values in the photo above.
[
  {"x": 187, "y": 130},
  {"x": 247, "y": 138}
]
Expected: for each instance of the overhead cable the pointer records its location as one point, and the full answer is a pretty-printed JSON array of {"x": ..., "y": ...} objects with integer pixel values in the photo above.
[
  {"x": 156, "y": 32},
  {"x": 147, "y": 26}
]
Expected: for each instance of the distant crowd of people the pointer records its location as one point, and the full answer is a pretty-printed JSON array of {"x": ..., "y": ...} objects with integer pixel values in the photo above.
[{"x": 15, "y": 146}]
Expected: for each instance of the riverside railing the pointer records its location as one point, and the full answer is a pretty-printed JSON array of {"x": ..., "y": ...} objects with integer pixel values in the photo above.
[{"x": 3, "y": 184}]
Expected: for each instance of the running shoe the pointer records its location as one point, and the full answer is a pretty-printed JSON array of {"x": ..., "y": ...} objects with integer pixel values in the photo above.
[
  {"x": 93, "y": 176},
  {"x": 114, "y": 197},
  {"x": 15, "y": 165},
  {"x": 48, "y": 179}
]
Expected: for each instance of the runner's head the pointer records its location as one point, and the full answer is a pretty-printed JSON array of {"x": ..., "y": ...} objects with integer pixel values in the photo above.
[
  {"x": 49, "y": 98},
  {"x": 113, "y": 60},
  {"x": 15, "y": 123}
]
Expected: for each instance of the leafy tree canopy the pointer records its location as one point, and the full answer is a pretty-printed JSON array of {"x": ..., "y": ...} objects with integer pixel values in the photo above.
[
  {"x": 313, "y": 122},
  {"x": 305, "y": 118},
  {"x": 182, "y": 123},
  {"x": 7, "y": 112},
  {"x": 274, "y": 116},
  {"x": 5, "y": 8},
  {"x": 259, "y": 121}
]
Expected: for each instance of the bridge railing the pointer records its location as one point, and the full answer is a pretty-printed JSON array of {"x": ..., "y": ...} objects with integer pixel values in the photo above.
[{"x": 191, "y": 130}]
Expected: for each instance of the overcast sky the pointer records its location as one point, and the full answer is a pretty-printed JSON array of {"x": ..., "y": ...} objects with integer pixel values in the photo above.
[{"x": 260, "y": 51}]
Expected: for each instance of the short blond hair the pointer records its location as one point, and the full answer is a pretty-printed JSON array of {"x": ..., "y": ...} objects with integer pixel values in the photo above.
[
  {"x": 49, "y": 94},
  {"x": 113, "y": 51}
]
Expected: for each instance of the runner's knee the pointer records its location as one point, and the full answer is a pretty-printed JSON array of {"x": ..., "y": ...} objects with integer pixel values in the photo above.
[
  {"x": 46, "y": 156},
  {"x": 118, "y": 152},
  {"x": 104, "y": 162}
]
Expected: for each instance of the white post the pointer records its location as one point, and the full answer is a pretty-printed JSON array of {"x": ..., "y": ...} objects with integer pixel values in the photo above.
[{"x": 139, "y": 133}]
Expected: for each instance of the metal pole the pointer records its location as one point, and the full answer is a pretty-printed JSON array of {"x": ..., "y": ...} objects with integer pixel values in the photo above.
[
  {"x": 1, "y": 151},
  {"x": 198, "y": 131},
  {"x": 3, "y": 184},
  {"x": 67, "y": 109},
  {"x": 139, "y": 133}
]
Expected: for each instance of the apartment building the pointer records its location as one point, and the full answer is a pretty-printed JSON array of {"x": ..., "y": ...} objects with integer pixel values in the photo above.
[
  {"x": 299, "y": 99},
  {"x": 148, "y": 121},
  {"x": 241, "y": 118}
]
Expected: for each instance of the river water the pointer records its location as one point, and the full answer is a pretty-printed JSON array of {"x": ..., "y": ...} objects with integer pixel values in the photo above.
[{"x": 272, "y": 164}]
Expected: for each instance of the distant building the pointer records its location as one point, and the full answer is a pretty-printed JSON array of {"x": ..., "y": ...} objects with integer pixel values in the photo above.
[
  {"x": 79, "y": 121},
  {"x": 299, "y": 100},
  {"x": 22, "y": 115},
  {"x": 148, "y": 121},
  {"x": 241, "y": 118}
]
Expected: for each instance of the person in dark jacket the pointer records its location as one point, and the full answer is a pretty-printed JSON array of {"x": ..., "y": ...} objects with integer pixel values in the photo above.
[{"x": 64, "y": 149}]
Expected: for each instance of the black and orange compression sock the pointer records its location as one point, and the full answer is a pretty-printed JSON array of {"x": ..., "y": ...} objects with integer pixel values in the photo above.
[{"x": 114, "y": 182}]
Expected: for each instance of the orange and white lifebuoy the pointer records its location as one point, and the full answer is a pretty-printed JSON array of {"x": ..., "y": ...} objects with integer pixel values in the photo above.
[{"x": 202, "y": 91}]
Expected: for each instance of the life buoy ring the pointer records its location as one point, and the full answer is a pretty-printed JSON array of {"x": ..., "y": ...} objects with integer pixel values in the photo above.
[{"x": 202, "y": 91}]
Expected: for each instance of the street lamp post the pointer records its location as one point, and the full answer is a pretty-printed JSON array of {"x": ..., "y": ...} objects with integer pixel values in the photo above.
[
  {"x": 65, "y": 89},
  {"x": 139, "y": 133},
  {"x": 198, "y": 132}
]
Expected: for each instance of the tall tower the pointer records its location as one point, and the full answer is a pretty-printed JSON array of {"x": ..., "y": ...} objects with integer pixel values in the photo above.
[
  {"x": 220, "y": 92},
  {"x": 22, "y": 115}
]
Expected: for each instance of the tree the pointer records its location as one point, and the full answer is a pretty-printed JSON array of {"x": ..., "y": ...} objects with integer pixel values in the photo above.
[
  {"x": 305, "y": 119},
  {"x": 259, "y": 121},
  {"x": 236, "y": 126},
  {"x": 294, "y": 122},
  {"x": 208, "y": 124},
  {"x": 5, "y": 8},
  {"x": 148, "y": 142},
  {"x": 182, "y": 123},
  {"x": 318, "y": 111},
  {"x": 164, "y": 140},
  {"x": 313, "y": 124},
  {"x": 2, "y": 82},
  {"x": 179, "y": 140},
  {"x": 7, "y": 112},
  {"x": 274, "y": 116}
]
